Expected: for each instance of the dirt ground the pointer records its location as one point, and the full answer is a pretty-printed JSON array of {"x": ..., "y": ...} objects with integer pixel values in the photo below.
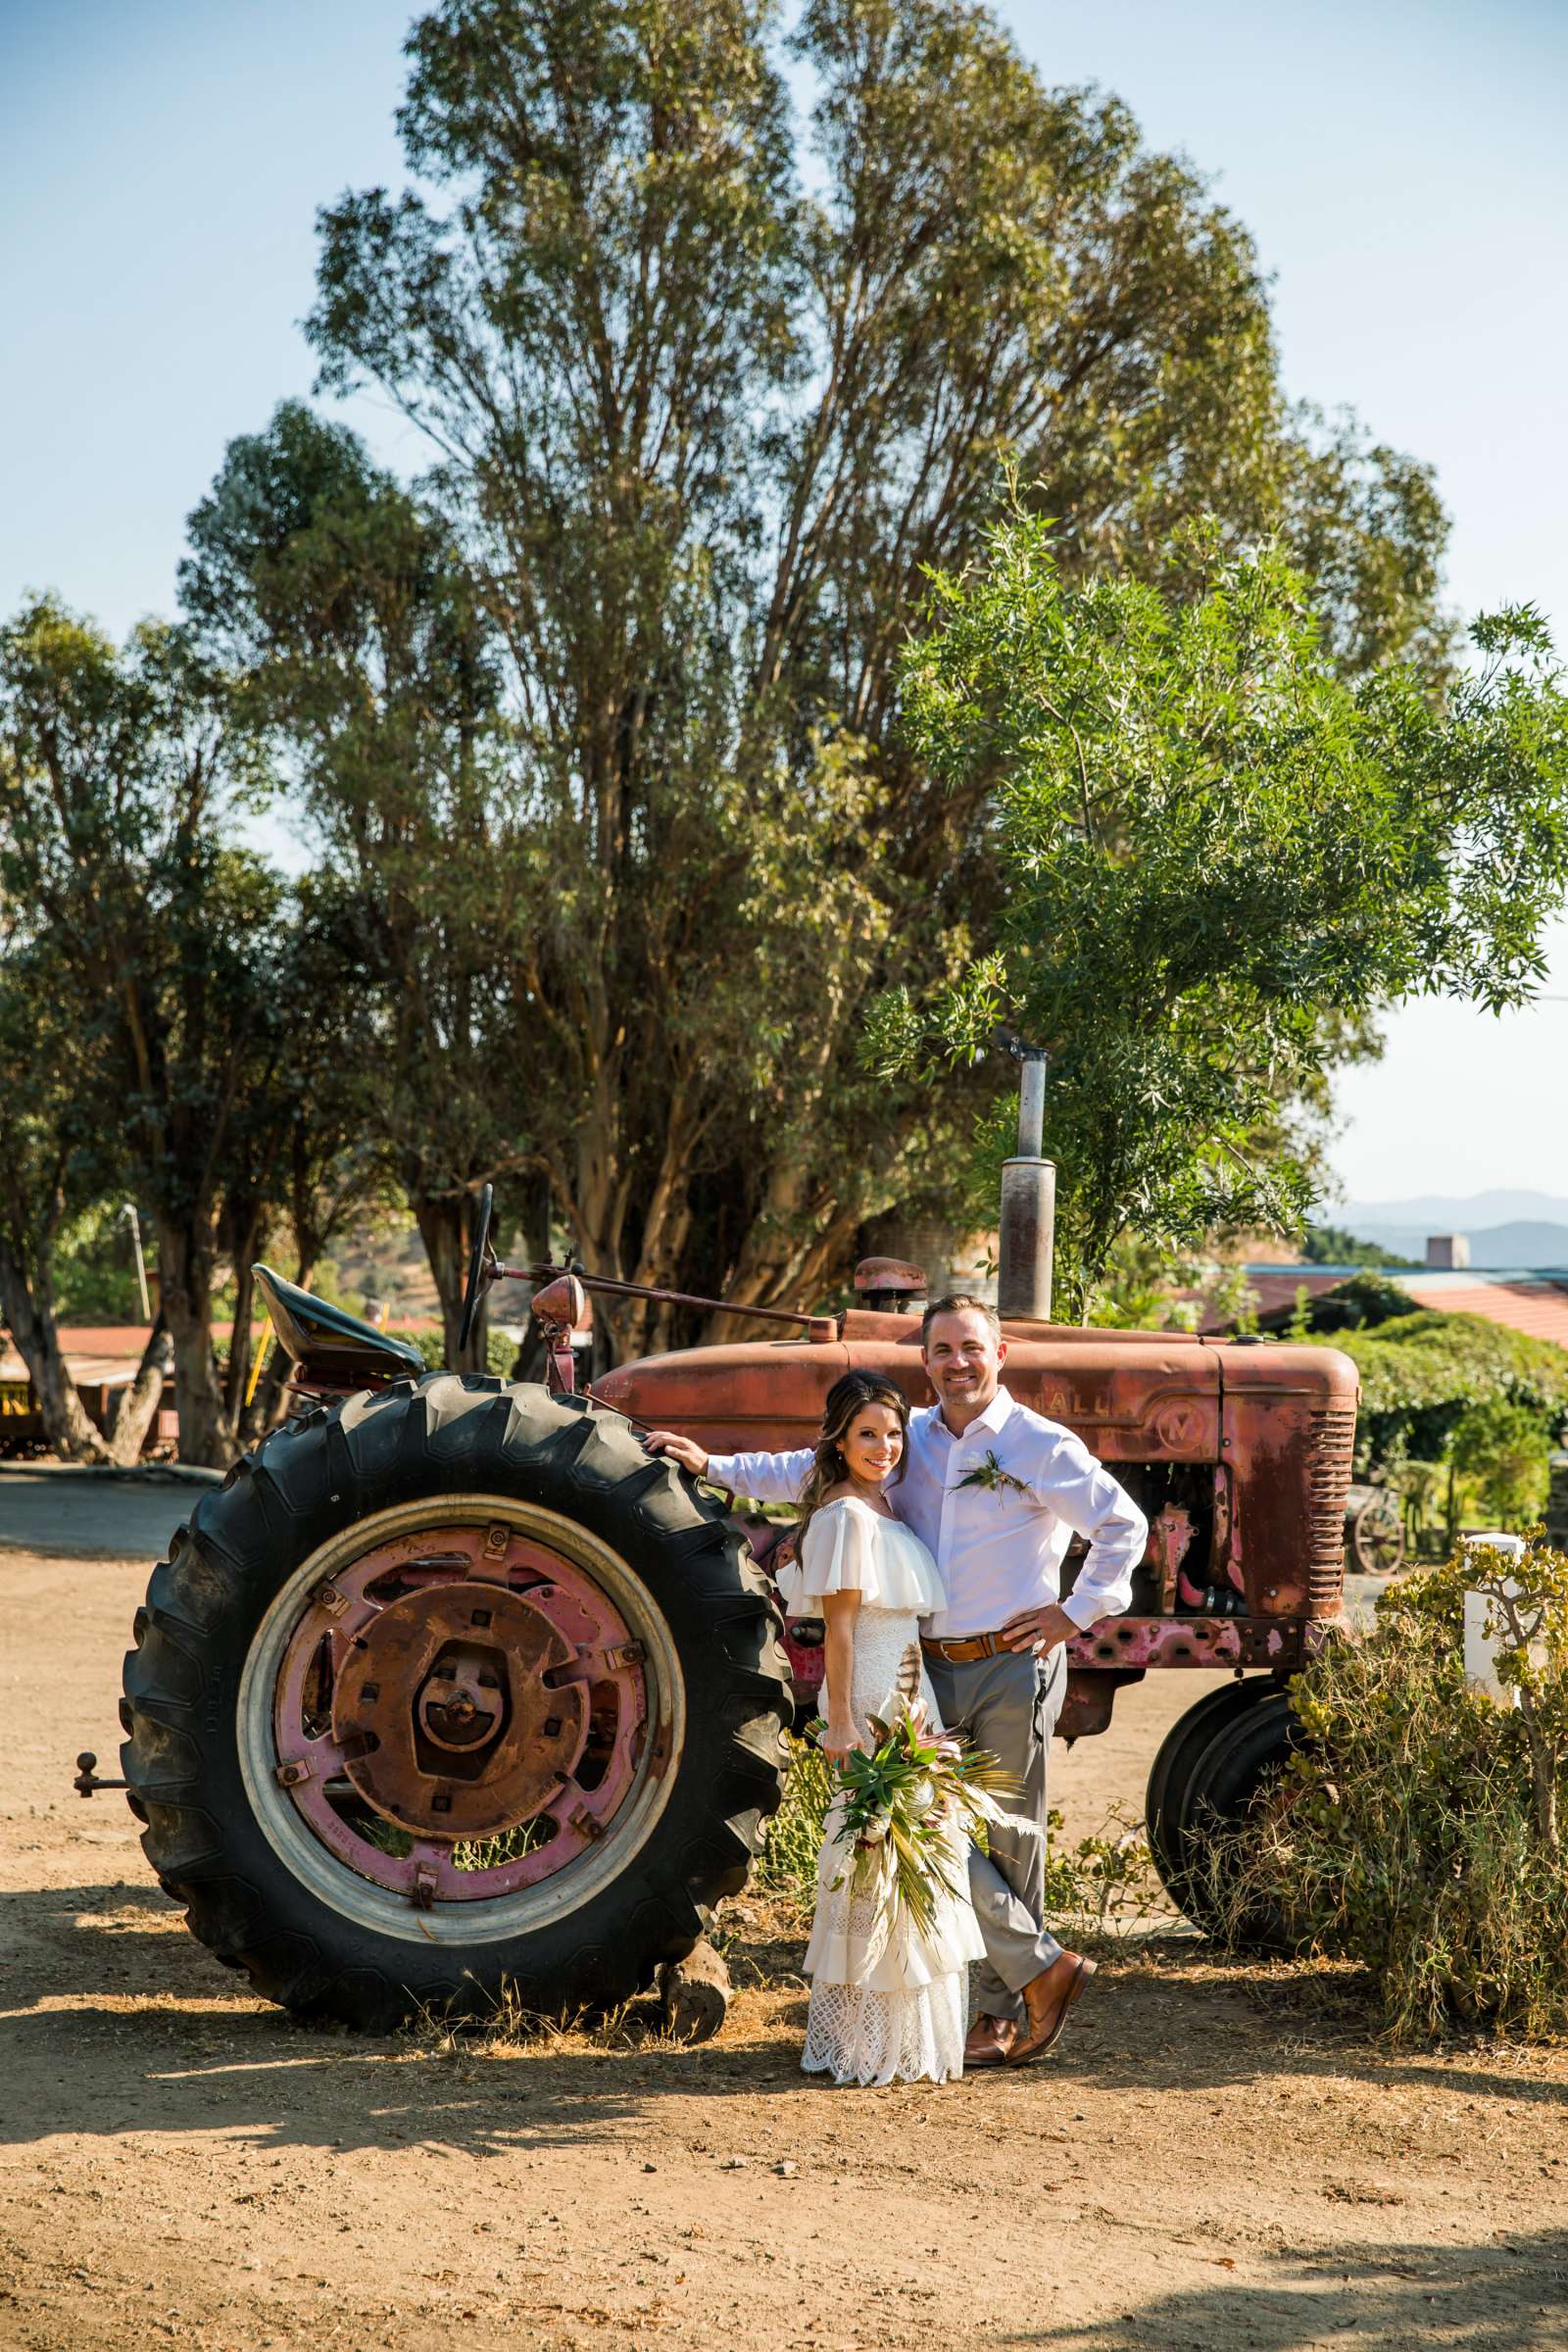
[{"x": 1216, "y": 2157}]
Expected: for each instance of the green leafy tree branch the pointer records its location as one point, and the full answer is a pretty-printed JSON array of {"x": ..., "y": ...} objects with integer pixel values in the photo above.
[{"x": 1220, "y": 857}]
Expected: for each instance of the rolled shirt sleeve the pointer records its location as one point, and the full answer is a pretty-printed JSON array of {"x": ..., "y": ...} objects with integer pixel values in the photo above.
[
  {"x": 1082, "y": 1493},
  {"x": 769, "y": 1477}
]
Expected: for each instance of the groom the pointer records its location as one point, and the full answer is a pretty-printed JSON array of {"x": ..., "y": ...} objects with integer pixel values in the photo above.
[{"x": 995, "y": 1491}]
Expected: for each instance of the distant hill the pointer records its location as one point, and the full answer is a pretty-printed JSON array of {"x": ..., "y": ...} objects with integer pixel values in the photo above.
[
  {"x": 1447, "y": 1212},
  {"x": 1523, "y": 1244},
  {"x": 1505, "y": 1229}
]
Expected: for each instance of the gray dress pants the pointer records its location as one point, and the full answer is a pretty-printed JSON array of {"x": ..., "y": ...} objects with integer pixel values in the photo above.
[{"x": 1010, "y": 1704}]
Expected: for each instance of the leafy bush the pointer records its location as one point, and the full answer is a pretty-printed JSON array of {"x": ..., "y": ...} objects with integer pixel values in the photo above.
[
  {"x": 1506, "y": 1453},
  {"x": 500, "y": 1353},
  {"x": 1103, "y": 1880},
  {"x": 1420, "y": 1833},
  {"x": 1361, "y": 1302},
  {"x": 792, "y": 1837},
  {"x": 1421, "y": 1373}
]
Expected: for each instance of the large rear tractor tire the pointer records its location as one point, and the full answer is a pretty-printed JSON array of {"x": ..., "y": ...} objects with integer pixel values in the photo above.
[{"x": 451, "y": 1692}]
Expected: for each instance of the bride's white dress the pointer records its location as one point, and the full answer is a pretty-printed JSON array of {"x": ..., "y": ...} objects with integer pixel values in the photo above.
[{"x": 903, "y": 2013}]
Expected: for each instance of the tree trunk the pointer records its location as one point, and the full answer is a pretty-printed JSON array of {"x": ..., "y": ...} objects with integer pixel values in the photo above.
[
  {"x": 596, "y": 1197},
  {"x": 31, "y": 1323},
  {"x": 532, "y": 1190},
  {"x": 128, "y": 1423},
  {"x": 445, "y": 1229},
  {"x": 236, "y": 1379},
  {"x": 185, "y": 1268},
  {"x": 796, "y": 1275},
  {"x": 794, "y": 1248}
]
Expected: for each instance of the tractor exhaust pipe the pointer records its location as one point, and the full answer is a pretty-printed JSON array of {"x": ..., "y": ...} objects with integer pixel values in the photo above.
[{"x": 1028, "y": 1226}]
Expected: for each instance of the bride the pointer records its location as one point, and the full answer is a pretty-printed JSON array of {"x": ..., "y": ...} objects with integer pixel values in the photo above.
[{"x": 895, "y": 2008}]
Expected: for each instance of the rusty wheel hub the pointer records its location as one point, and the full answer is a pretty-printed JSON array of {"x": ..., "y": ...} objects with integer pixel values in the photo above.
[
  {"x": 460, "y": 1713},
  {"x": 447, "y": 1723}
]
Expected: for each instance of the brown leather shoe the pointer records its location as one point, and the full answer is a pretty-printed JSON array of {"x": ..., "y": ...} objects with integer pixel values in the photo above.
[
  {"x": 990, "y": 2038},
  {"x": 1047, "y": 2000}
]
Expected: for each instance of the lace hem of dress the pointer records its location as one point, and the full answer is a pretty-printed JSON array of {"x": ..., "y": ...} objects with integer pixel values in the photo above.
[{"x": 858, "y": 2036}]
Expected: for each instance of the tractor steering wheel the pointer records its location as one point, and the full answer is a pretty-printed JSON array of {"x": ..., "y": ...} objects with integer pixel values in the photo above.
[{"x": 479, "y": 1277}]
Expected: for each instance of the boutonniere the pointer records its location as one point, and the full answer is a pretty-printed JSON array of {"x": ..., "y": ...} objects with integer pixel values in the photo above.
[{"x": 990, "y": 1475}]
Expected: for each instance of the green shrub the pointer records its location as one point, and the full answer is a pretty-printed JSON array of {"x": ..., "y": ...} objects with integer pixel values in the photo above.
[
  {"x": 1507, "y": 1454},
  {"x": 1362, "y": 1302},
  {"x": 1422, "y": 1373},
  {"x": 500, "y": 1353},
  {"x": 792, "y": 1838},
  {"x": 1418, "y": 1831},
  {"x": 1104, "y": 1879},
  {"x": 1102, "y": 1882}
]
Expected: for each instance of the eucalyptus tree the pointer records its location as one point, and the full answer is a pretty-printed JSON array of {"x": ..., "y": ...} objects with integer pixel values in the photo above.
[
  {"x": 371, "y": 668},
  {"x": 707, "y": 389},
  {"x": 47, "y": 1175}
]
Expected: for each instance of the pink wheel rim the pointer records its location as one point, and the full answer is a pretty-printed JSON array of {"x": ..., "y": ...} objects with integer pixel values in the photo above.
[{"x": 458, "y": 1685}]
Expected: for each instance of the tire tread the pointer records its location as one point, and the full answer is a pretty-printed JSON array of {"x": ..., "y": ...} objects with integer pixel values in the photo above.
[{"x": 327, "y": 1468}]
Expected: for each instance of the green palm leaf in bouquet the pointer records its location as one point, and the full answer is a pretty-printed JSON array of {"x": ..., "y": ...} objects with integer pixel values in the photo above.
[{"x": 909, "y": 1808}]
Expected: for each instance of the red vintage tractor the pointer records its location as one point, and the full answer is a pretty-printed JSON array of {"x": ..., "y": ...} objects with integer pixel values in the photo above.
[{"x": 451, "y": 1684}]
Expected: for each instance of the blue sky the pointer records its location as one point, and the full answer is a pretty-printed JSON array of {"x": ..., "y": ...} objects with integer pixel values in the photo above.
[{"x": 1401, "y": 164}]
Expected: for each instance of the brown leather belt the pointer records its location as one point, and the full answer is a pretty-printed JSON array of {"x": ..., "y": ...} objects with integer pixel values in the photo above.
[{"x": 966, "y": 1649}]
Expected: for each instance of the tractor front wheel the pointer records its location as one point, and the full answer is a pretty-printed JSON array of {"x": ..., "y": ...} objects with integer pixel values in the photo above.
[{"x": 1217, "y": 1763}]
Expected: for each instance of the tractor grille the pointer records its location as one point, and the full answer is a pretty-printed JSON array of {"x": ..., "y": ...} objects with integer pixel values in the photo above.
[{"x": 1333, "y": 1442}]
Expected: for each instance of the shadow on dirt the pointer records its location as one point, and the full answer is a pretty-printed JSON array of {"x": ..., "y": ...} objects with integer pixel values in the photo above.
[
  {"x": 1507, "y": 2294},
  {"x": 118, "y": 1937},
  {"x": 158, "y": 2037},
  {"x": 1211, "y": 2023}
]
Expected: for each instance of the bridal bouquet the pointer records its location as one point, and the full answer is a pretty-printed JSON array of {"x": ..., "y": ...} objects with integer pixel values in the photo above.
[{"x": 912, "y": 1804}]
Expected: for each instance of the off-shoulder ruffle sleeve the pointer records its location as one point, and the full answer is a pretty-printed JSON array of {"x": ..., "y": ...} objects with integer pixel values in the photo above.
[{"x": 848, "y": 1548}]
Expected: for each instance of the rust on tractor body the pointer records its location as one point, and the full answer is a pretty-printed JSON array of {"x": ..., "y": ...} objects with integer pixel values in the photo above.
[{"x": 471, "y": 1755}]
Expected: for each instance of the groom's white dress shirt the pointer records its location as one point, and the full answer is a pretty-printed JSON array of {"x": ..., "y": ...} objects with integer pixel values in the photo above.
[{"x": 998, "y": 1542}]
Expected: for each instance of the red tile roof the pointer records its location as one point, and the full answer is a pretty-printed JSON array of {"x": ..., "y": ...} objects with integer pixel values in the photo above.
[
  {"x": 1274, "y": 1291},
  {"x": 107, "y": 1339}
]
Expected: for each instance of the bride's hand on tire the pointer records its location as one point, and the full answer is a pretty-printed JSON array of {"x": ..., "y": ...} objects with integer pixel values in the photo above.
[{"x": 684, "y": 1450}]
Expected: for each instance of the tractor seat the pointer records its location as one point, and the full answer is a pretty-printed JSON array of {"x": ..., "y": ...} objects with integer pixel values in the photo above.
[{"x": 328, "y": 1338}]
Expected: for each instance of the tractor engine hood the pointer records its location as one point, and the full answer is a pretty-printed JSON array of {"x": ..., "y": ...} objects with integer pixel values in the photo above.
[{"x": 1129, "y": 1396}]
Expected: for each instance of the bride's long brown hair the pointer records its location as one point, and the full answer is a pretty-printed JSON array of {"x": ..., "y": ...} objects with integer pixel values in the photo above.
[{"x": 844, "y": 1399}]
